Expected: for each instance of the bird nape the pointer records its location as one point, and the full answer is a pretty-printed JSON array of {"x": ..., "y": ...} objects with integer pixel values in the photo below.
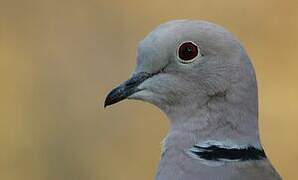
[{"x": 199, "y": 74}]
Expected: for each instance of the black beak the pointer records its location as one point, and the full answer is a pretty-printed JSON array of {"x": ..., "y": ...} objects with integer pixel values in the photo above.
[{"x": 126, "y": 89}]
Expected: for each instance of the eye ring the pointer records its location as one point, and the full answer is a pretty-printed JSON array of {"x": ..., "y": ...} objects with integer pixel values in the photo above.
[{"x": 187, "y": 52}]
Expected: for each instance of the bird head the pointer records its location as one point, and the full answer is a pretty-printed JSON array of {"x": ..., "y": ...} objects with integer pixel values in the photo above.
[{"x": 183, "y": 64}]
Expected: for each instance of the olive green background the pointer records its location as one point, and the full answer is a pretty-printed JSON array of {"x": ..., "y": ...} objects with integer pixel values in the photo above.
[{"x": 60, "y": 58}]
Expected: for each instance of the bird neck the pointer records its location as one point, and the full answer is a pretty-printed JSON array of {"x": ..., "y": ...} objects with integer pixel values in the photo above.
[{"x": 218, "y": 119}]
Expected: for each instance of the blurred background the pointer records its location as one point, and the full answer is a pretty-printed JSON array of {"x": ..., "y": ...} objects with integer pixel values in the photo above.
[{"x": 58, "y": 60}]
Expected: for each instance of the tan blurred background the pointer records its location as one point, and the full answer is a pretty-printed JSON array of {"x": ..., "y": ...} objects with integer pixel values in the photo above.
[{"x": 59, "y": 59}]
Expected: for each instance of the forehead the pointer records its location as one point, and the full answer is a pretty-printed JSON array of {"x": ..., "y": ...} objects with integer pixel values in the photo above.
[
  {"x": 160, "y": 46},
  {"x": 175, "y": 32},
  {"x": 168, "y": 33}
]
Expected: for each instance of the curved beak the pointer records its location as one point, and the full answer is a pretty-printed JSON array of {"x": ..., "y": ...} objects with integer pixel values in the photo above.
[{"x": 126, "y": 89}]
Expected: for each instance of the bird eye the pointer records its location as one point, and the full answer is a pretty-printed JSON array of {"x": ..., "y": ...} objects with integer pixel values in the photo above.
[{"x": 187, "y": 51}]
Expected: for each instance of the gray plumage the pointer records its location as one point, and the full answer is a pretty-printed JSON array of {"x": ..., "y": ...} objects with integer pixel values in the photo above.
[{"x": 212, "y": 98}]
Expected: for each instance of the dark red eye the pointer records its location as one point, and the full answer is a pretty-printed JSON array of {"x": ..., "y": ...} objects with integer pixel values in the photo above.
[{"x": 187, "y": 51}]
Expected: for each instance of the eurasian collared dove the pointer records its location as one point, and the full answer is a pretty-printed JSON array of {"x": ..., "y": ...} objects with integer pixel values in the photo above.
[{"x": 201, "y": 77}]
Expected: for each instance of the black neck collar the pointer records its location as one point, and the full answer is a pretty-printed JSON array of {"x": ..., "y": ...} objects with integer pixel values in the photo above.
[{"x": 220, "y": 153}]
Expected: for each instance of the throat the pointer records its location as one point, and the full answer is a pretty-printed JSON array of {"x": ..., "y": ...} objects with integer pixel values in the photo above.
[{"x": 219, "y": 121}]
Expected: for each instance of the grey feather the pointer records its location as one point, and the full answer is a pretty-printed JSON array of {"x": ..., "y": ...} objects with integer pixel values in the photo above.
[{"x": 212, "y": 99}]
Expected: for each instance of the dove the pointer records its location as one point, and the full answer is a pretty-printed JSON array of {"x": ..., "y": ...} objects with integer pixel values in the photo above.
[{"x": 201, "y": 77}]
